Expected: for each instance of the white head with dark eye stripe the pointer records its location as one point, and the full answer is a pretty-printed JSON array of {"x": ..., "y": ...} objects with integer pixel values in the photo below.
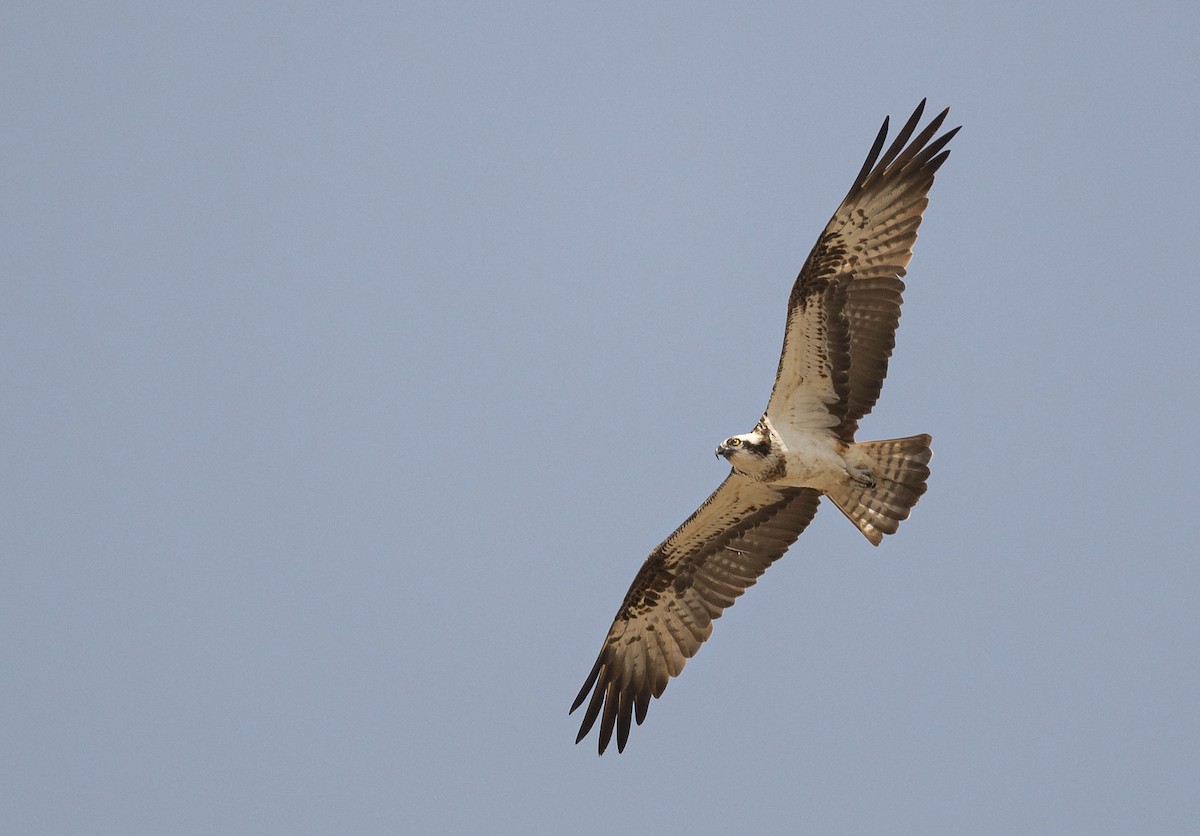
[{"x": 749, "y": 453}]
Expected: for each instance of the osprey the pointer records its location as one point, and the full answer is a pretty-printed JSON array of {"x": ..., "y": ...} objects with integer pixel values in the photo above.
[{"x": 841, "y": 325}]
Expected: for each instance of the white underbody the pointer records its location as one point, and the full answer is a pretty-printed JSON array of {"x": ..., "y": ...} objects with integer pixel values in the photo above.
[
  {"x": 815, "y": 459},
  {"x": 812, "y": 457}
]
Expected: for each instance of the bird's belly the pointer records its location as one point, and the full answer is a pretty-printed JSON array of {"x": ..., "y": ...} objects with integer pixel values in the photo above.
[{"x": 814, "y": 461}]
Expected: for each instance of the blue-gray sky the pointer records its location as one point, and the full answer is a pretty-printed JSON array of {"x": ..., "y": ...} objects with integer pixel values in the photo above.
[{"x": 356, "y": 356}]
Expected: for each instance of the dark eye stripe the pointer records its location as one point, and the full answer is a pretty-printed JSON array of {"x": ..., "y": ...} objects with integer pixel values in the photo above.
[{"x": 761, "y": 448}]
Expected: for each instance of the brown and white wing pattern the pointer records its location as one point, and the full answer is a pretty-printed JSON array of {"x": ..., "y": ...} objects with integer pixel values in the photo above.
[
  {"x": 838, "y": 341},
  {"x": 684, "y": 584}
]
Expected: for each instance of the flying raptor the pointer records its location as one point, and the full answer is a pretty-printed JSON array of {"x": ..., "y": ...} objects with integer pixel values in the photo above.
[{"x": 841, "y": 326}]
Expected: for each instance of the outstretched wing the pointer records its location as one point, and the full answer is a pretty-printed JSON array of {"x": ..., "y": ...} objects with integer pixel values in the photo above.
[
  {"x": 684, "y": 584},
  {"x": 845, "y": 304}
]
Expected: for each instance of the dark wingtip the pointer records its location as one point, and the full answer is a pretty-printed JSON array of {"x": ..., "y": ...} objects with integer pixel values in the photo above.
[
  {"x": 587, "y": 684},
  {"x": 873, "y": 154}
]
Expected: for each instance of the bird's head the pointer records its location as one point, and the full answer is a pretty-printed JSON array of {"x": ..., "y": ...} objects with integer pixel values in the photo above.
[{"x": 748, "y": 453}]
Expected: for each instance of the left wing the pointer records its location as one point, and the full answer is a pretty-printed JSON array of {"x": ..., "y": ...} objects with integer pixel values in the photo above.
[
  {"x": 838, "y": 339},
  {"x": 684, "y": 584}
]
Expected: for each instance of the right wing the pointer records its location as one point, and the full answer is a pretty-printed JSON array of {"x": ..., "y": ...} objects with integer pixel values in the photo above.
[{"x": 684, "y": 584}]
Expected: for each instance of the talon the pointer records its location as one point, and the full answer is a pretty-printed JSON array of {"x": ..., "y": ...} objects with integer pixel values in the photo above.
[{"x": 862, "y": 477}]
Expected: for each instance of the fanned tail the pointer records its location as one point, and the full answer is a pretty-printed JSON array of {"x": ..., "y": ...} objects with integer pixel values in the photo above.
[{"x": 901, "y": 466}]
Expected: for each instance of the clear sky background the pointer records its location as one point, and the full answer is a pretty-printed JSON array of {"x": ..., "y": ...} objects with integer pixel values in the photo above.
[{"x": 355, "y": 356}]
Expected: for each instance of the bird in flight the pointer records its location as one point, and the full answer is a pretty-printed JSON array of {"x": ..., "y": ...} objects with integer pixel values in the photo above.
[{"x": 841, "y": 327}]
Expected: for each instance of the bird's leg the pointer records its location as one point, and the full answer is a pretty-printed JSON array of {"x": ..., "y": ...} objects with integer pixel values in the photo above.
[{"x": 861, "y": 476}]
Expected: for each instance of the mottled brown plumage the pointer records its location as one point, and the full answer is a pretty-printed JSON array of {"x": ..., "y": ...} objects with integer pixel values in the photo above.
[{"x": 842, "y": 316}]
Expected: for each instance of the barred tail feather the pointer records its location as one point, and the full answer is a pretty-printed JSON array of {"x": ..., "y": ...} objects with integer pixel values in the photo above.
[{"x": 901, "y": 466}]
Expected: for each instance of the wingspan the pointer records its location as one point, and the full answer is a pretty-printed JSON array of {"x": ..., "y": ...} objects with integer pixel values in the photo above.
[
  {"x": 684, "y": 584},
  {"x": 837, "y": 342}
]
